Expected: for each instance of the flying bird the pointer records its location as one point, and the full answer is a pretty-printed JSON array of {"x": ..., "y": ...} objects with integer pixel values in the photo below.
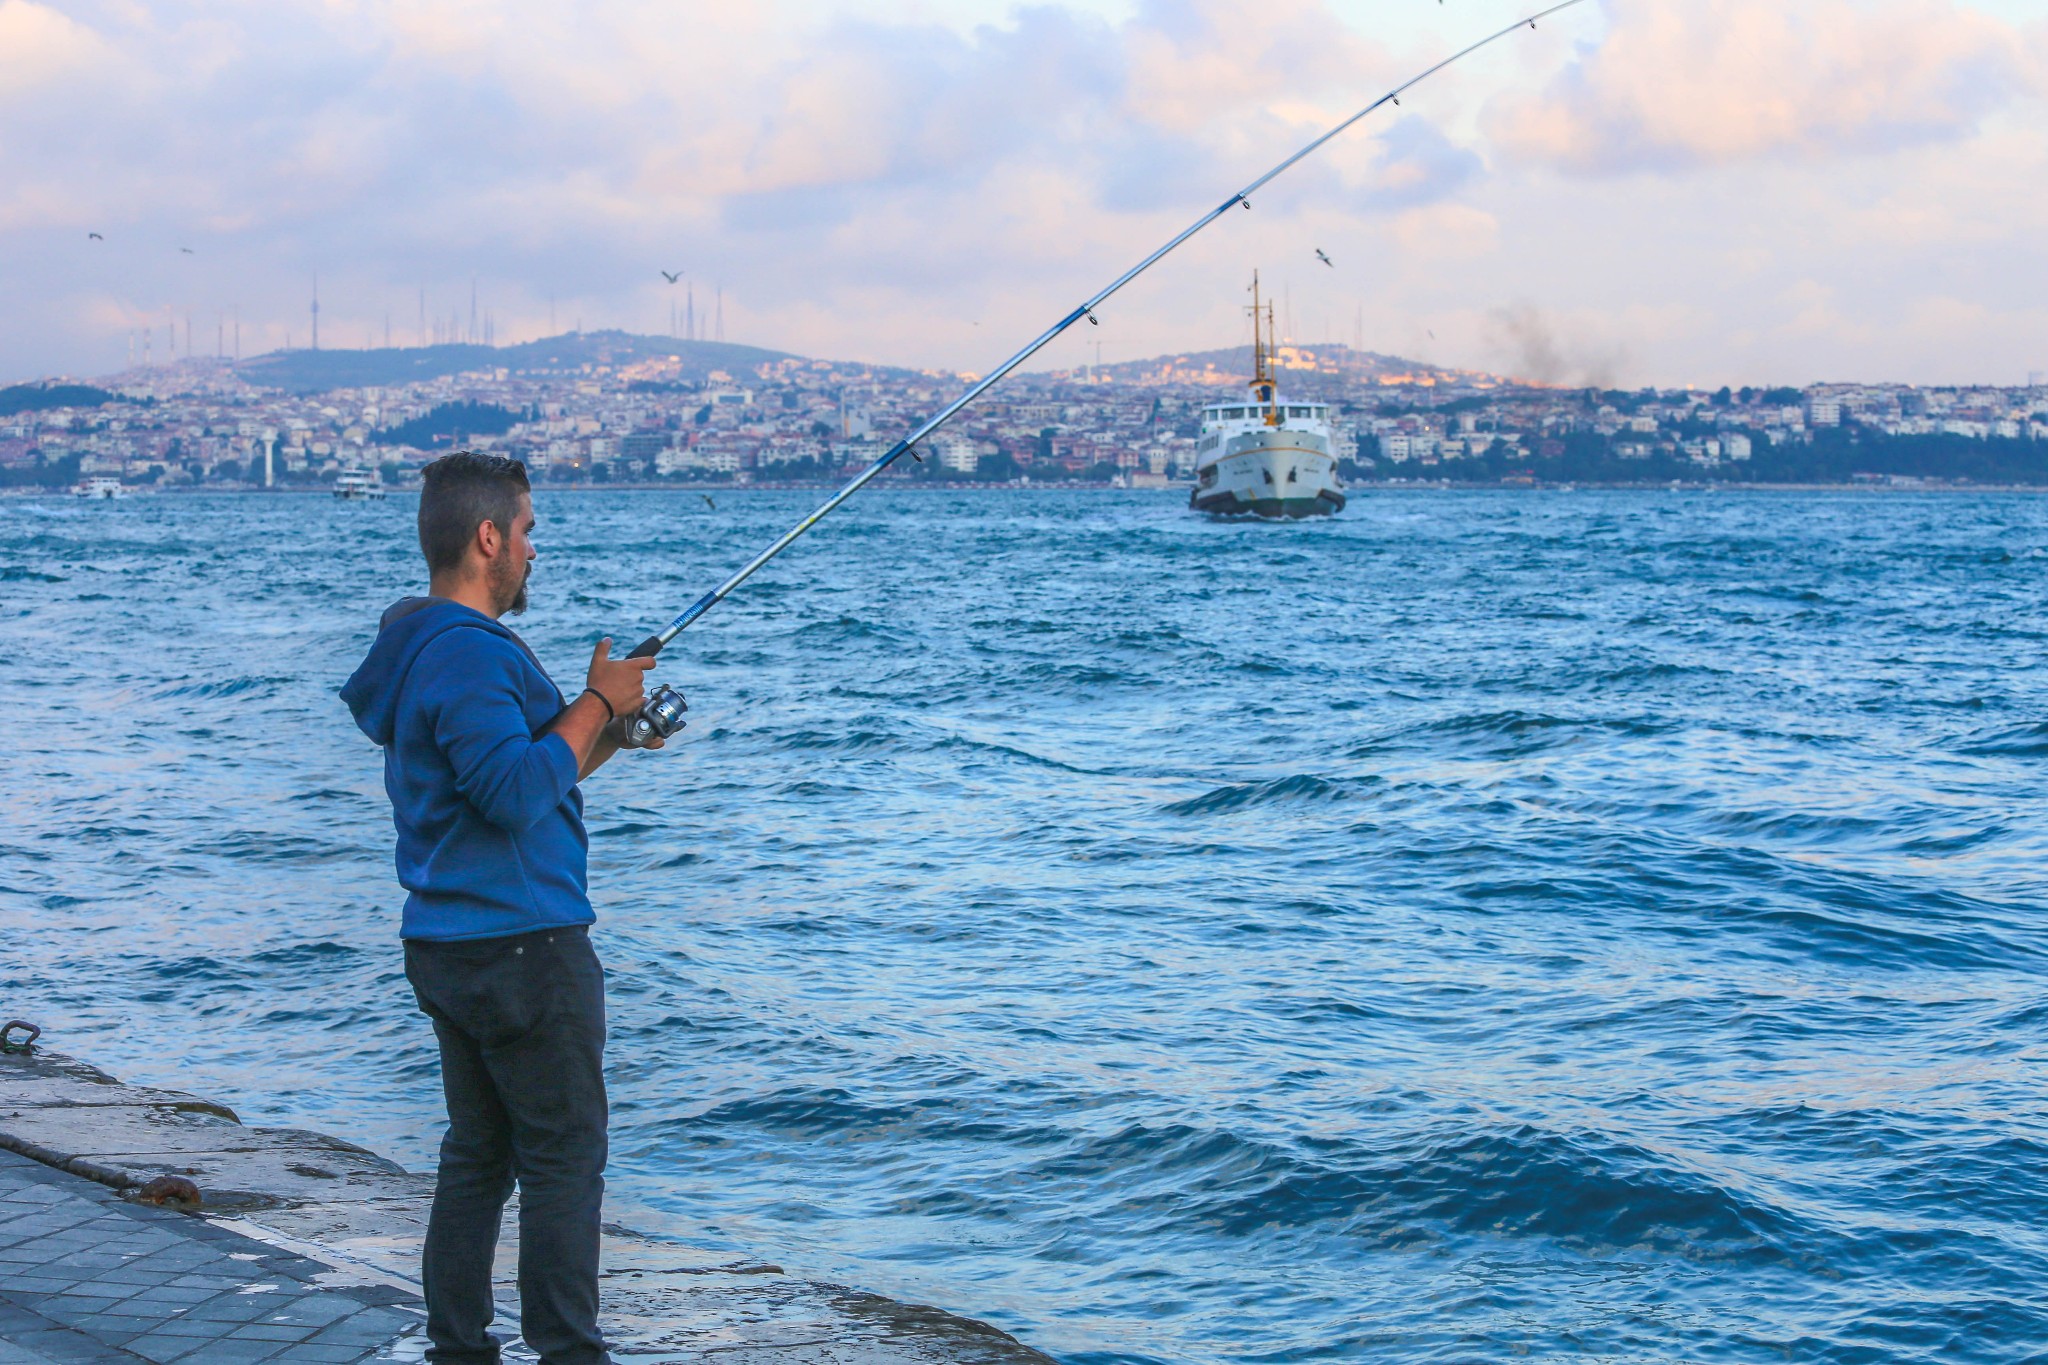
[
  {"x": 1325, "y": 259},
  {"x": 186, "y": 249},
  {"x": 671, "y": 278},
  {"x": 708, "y": 502},
  {"x": 94, "y": 236}
]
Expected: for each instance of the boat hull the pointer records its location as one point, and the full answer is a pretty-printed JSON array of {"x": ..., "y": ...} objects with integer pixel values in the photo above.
[
  {"x": 1324, "y": 504},
  {"x": 1276, "y": 473}
]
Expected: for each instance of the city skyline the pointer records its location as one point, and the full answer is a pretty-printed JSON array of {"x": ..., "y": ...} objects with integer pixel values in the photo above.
[{"x": 1633, "y": 195}]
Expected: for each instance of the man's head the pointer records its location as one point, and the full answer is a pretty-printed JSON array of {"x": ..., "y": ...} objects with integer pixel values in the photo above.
[{"x": 476, "y": 526}]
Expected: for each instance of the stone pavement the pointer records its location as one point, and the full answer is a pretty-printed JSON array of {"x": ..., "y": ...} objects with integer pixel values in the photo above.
[{"x": 88, "y": 1277}]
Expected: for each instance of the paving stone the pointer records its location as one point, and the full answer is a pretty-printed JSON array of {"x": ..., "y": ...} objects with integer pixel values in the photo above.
[
  {"x": 21, "y": 1355},
  {"x": 163, "y": 1349},
  {"x": 312, "y": 1353},
  {"x": 179, "y": 1296},
  {"x": 371, "y": 1327},
  {"x": 235, "y": 1352},
  {"x": 186, "y": 1327},
  {"x": 317, "y": 1310},
  {"x": 271, "y": 1331}
]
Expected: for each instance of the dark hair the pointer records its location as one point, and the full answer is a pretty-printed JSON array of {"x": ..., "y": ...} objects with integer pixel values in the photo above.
[{"x": 459, "y": 493}]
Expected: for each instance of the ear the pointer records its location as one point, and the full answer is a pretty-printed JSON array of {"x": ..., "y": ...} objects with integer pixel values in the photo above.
[{"x": 489, "y": 539}]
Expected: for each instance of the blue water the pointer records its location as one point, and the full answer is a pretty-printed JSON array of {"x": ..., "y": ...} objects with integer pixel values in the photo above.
[{"x": 1598, "y": 926}]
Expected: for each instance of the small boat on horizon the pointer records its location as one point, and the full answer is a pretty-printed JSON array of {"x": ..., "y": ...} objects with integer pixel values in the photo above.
[
  {"x": 358, "y": 485},
  {"x": 100, "y": 487},
  {"x": 1267, "y": 457}
]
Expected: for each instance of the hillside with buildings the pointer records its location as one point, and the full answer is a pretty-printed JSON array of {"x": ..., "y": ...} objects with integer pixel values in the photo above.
[{"x": 614, "y": 408}]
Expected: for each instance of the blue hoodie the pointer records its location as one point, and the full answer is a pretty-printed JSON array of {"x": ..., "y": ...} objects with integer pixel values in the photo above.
[{"x": 490, "y": 824}]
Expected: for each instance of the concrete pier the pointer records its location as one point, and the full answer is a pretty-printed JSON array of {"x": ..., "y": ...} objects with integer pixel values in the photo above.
[{"x": 305, "y": 1248}]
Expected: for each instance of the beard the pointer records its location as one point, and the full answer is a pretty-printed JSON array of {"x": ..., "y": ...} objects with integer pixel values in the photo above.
[{"x": 515, "y": 599}]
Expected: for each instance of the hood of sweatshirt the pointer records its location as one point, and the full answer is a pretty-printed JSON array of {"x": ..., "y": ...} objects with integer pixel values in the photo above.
[{"x": 407, "y": 627}]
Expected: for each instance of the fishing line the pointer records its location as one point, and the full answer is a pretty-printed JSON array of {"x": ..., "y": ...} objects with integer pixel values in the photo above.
[{"x": 662, "y": 715}]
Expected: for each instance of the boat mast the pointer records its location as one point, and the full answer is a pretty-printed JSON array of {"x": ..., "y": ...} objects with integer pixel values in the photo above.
[{"x": 1263, "y": 347}]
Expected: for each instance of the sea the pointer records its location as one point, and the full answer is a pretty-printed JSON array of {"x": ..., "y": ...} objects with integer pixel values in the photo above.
[{"x": 1545, "y": 925}]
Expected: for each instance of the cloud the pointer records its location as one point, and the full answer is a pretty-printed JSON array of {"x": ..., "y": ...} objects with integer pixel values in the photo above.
[
  {"x": 1416, "y": 164},
  {"x": 1711, "y": 82},
  {"x": 865, "y": 181},
  {"x": 41, "y": 48},
  {"x": 1446, "y": 232}
]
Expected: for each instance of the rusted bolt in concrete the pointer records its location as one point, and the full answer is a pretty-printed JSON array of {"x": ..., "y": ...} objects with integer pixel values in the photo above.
[{"x": 175, "y": 1190}]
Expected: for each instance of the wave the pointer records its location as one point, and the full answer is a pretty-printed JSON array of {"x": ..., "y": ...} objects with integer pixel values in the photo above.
[
  {"x": 843, "y": 742},
  {"x": 1506, "y": 733},
  {"x": 1300, "y": 789},
  {"x": 2019, "y": 741},
  {"x": 306, "y": 955},
  {"x": 849, "y": 628},
  {"x": 224, "y": 687},
  {"x": 1590, "y": 1193},
  {"x": 261, "y": 846}
]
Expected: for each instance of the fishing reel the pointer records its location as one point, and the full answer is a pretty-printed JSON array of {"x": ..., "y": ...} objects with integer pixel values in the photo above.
[{"x": 660, "y": 716}]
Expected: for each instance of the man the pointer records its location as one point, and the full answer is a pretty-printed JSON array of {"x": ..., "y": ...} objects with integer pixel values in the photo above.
[{"x": 482, "y": 755}]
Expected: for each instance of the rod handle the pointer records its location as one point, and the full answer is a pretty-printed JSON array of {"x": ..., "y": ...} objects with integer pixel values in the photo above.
[{"x": 647, "y": 648}]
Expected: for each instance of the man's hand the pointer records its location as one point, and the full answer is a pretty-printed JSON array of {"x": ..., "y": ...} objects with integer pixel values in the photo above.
[
  {"x": 615, "y": 735},
  {"x": 621, "y": 682},
  {"x": 586, "y": 726}
]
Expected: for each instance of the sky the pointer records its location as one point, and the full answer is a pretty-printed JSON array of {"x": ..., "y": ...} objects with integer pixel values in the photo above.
[{"x": 1679, "y": 192}]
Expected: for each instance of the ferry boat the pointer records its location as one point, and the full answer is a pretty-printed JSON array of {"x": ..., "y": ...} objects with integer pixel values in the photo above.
[
  {"x": 358, "y": 485},
  {"x": 100, "y": 486},
  {"x": 1265, "y": 457}
]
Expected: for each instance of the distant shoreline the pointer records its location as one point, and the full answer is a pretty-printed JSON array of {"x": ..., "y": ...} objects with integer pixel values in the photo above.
[{"x": 1355, "y": 490}]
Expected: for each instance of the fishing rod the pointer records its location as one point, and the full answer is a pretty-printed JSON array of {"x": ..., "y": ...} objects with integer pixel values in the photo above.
[{"x": 662, "y": 715}]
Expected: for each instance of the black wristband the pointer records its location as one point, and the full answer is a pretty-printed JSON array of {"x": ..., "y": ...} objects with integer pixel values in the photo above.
[{"x": 611, "y": 714}]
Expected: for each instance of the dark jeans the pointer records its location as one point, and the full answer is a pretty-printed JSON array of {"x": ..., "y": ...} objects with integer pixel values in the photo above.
[{"x": 521, "y": 1026}]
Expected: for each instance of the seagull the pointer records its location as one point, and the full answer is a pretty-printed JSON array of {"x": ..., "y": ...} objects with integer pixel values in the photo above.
[
  {"x": 94, "y": 236},
  {"x": 1325, "y": 259},
  {"x": 671, "y": 278},
  {"x": 708, "y": 502},
  {"x": 186, "y": 249}
]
